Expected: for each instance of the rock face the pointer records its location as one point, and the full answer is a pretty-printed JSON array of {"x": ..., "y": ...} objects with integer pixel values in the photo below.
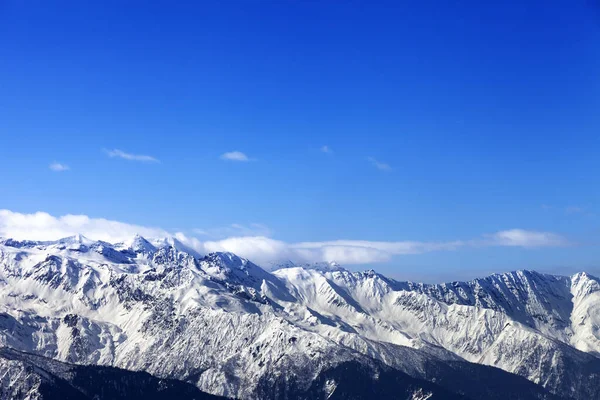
[{"x": 230, "y": 328}]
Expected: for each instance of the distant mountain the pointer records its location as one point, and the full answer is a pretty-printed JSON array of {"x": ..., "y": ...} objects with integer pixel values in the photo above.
[{"x": 228, "y": 327}]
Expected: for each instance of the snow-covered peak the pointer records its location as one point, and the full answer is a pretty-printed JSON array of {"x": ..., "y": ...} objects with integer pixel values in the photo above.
[
  {"x": 175, "y": 243},
  {"x": 583, "y": 284},
  {"x": 137, "y": 244},
  {"x": 76, "y": 239},
  {"x": 231, "y": 268},
  {"x": 227, "y": 260},
  {"x": 75, "y": 242},
  {"x": 171, "y": 312},
  {"x": 323, "y": 266},
  {"x": 10, "y": 242},
  {"x": 538, "y": 300},
  {"x": 326, "y": 266}
]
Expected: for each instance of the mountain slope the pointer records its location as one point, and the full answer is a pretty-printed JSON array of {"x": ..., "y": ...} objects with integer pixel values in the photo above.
[
  {"x": 515, "y": 329},
  {"x": 34, "y": 377},
  {"x": 236, "y": 330}
]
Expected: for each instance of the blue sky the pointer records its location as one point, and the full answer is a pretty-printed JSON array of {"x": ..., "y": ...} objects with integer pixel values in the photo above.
[{"x": 442, "y": 121}]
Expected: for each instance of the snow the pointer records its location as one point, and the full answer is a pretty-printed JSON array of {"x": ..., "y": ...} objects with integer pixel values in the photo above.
[{"x": 156, "y": 305}]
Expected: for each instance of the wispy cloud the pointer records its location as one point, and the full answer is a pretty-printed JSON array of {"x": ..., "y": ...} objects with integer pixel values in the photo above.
[
  {"x": 379, "y": 165},
  {"x": 570, "y": 210},
  {"x": 131, "y": 157},
  {"x": 326, "y": 149},
  {"x": 253, "y": 229},
  {"x": 58, "y": 167},
  {"x": 235, "y": 156},
  {"x": 524, "y": 238},
  {"x": 261, "y": 248}
]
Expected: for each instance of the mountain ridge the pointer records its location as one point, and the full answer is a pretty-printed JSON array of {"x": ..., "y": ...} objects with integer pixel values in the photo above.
[{"x": 223, "y": 323}]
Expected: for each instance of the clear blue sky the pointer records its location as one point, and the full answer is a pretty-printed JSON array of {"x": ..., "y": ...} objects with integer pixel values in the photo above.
[{"x": 486, "y": 113}]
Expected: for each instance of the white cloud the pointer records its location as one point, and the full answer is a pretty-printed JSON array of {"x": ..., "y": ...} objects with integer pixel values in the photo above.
[
  {"x": 326, "y": 149},
  {"x": 264, "y": 250},
  {"x": 235, "y": 156},
  {"x": 259, "y": 248},
  {"x": 379, "y": 165},
  {"x": 131, "y": 157},
  {"x": 58, "y": 167},
  {"x": 523, "y": 238},
  {"x": 43, "y": 226}
]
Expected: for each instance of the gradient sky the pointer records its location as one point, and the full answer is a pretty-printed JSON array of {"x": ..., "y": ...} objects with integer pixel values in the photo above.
[{"x": 308, "y": 121}]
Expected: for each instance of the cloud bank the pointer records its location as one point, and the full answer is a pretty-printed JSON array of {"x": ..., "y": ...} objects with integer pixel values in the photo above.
[
  {"x": 43, "y": 226},
  {"x": 260, "y": 249}
]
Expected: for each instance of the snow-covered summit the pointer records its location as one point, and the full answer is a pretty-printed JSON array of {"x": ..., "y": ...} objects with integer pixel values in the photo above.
[
  {"x": 324, "y": 266},
  {"x": 137, "y": 244},
  {"x": 228, "y": 326}
]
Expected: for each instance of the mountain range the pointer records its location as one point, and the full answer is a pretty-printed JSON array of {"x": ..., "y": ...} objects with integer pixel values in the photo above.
[{"x": 153, "y": 319}]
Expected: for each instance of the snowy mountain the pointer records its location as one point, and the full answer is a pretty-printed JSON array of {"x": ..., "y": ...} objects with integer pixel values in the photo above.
[
  {"x": 30, "y": 376},
  {"x": 230, "y": 328}
]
